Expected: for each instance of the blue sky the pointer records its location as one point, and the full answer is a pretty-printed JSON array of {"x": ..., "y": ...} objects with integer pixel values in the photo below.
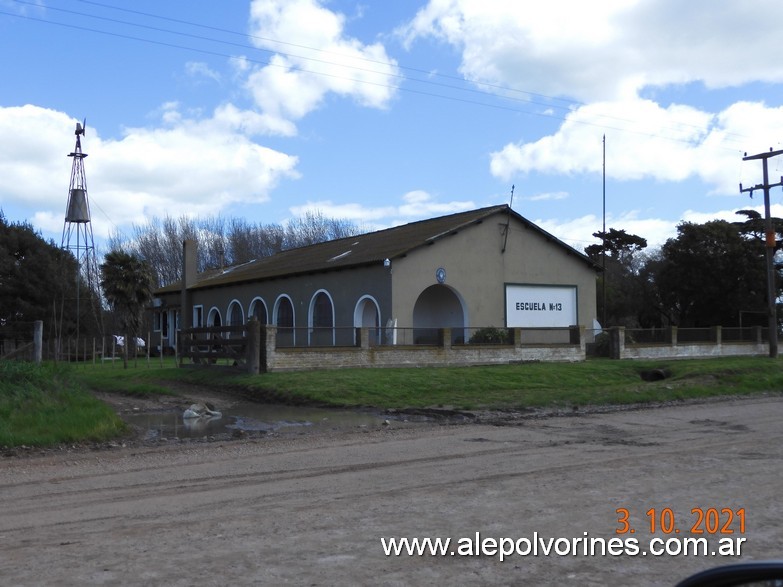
[{"x": 389, "y": 112}]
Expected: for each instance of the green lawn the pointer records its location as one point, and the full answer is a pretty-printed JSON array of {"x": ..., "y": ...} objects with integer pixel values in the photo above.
[
  {"x": 45, "y": 405},
  {"x": 51, "y": 403},
  {"x": 594, "y": 382}
]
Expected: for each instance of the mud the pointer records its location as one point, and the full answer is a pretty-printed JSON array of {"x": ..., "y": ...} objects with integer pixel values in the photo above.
[{"x": 312, "y": 509}]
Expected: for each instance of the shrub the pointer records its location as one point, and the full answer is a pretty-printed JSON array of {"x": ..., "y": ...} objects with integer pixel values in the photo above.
[{"x": 491, "y": 335}]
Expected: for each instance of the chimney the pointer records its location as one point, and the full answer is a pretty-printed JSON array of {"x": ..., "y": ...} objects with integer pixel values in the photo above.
[{"x": 189, "y": 274}]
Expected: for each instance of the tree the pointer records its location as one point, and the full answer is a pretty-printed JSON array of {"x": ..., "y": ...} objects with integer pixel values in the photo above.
[
  {"x": 620, "y": 278},
  {"x": 710, "y": 273},
  {"x": 37, "y": 279},
  {"x": 127, "y": 283},
  {"x": 223, "y": 242}
]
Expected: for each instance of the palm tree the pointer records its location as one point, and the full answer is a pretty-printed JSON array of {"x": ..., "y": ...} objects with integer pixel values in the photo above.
[{"x": 127, "y": 283}]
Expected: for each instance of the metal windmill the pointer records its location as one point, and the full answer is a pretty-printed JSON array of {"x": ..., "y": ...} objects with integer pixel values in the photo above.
[{"x": 77, "y": 230}]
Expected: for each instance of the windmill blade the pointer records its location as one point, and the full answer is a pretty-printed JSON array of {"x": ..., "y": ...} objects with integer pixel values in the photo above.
[{"x": 84, "y": 126}]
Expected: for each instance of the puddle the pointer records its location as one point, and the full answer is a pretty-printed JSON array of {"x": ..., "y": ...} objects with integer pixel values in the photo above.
[{"x": 251, "y": 418}]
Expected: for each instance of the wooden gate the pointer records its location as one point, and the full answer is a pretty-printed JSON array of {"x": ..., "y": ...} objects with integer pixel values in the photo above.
[{"x": 209, "y": 344}]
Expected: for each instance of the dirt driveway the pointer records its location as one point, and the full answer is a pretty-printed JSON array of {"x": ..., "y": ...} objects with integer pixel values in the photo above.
[{"x": 313, "y": 510}]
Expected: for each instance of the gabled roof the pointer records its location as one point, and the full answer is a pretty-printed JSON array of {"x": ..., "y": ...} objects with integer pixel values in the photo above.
[{"x": 364, "y": 249}]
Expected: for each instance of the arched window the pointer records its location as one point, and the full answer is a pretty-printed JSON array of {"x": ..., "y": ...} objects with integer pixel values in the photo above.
[
  {"x": 214, "y": 319},
  {"x": 235, "y": 318},
  {"x": 258, "y": 310},
  {"x": 323, "y": 315},
  {"x": 284, "y": 320},
  {"x": 366, "y": 314},
  {"x": 321, "y": 319},
  {"x": 235, "y": 315}
]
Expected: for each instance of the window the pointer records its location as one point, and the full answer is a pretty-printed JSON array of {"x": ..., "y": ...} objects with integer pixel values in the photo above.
[
  {"x": 258, "y": 310},
  {"x": 323, "y": 316},
  {"x": 285, "y": 314},
  {"x": 235, "y": 316},
  {"x": 321, "y": 320},
  {"x": 156, "y": 320},
  {"x": 214, "y": 318},
  {"x": 284, "y": 320}
]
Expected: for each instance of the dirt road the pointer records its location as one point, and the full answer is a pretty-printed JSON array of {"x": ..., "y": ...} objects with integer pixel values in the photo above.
[{"x": 313, "y": 510}]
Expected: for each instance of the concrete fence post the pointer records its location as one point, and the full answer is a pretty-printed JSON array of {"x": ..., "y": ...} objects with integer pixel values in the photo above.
[
  {"x": 575, "y": 334},
  {"x": 516, "y": 333},
  {"x": 363, "y": 338},
  {"x": 253, "y": 346},
  {"x": 38, "y": 341},
  {"x": 717, "y": 335},
  {"x": 444, "y": 338},
  {"x": 616, "y": 342},
  {"x": 674, "y": 335},
  {"x": 269, "y": 344}
]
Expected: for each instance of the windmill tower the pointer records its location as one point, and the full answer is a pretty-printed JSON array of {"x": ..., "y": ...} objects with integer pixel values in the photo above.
[{"x": 77, "y": 233}]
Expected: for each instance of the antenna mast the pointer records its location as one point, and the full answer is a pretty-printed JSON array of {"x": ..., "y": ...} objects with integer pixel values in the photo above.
[
  {"x": 508, "y": 220},
  {"x": 77, "y": 230}
]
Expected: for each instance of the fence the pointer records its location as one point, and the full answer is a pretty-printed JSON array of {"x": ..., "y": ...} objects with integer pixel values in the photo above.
[
  {"x": 25, "y": 342},
  {"x": 687, "y": 342},
  {"x": 376, "y": 337},
  {"x": 268, "y": 348},
  {"x": 304, "y": 349},
  {"x": 238, "y": 345}
]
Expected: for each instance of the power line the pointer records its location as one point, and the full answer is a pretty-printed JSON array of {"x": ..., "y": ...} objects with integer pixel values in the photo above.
[{"x": 388, "y": 74}]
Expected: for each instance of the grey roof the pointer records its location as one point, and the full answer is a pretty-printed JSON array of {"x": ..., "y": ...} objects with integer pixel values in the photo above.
[{"x": 364, "y": 249}]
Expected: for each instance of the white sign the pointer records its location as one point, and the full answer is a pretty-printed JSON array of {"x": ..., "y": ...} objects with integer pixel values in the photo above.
[{"x": 540, "y": 306}]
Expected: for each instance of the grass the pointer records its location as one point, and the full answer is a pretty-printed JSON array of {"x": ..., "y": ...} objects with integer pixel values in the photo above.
[
  {"x": 594, "y": 382},
  {"x": 52, "y": 403},
  {"x": 44, "y": 405}
]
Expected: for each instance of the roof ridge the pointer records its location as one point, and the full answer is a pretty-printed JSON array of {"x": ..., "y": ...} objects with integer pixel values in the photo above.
[{"x": 486, "y": 210}]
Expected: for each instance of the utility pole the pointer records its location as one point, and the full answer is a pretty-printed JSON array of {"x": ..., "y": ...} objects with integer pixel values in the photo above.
[
  {"x": 769, "y": 233},
  {"x": 603, "y": 242}
]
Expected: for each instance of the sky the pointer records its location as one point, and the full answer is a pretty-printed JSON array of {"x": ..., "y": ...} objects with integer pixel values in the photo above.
[{"x": 636, "y": 113}]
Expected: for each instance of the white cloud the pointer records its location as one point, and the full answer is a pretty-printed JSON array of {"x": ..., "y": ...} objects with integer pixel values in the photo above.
[
  {"x": 648, "y": 141},
  {"x": 415, "y": 205},
  {"x": 199, "y": 69},
  {"x": 606, "y": 50},
  {"x": 186, "y": 167},
  {"x": 547, "y": 196},
  {"x": 315, "y": 58},
  {"x": 606, "y": 57}
]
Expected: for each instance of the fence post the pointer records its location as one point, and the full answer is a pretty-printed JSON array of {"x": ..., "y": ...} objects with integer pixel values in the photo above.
[
  {"x": 38, "y": 341},
  {"x": 718, "y": 334},
  {"x": 444, "y": 338},
  {"x": 363, "y": 336},
  {"x": 674, "y": 335},
  {"x": 253, "y": 346},
  {"x": 269, "y": 344},
  {"x": 516, "y": 333},
  {"x": 617, "y": 342},
  {"x": 581, "y": 332}
]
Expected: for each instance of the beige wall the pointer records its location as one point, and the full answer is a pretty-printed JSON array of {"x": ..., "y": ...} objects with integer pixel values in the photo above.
[{"x": 477, "y": 271}]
